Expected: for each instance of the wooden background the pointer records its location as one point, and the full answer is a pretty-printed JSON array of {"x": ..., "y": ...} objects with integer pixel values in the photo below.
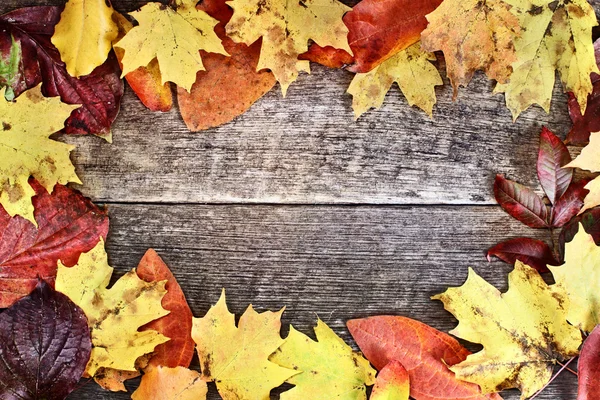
[{"x": 295, "y": 204}]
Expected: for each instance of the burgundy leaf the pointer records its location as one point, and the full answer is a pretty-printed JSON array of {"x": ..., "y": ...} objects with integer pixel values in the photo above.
[
  {"x": 589, "y": 367},
  {"x": 521, "y": 202},
  {"x": 99, "y": 93},
  {"x": 552, "y": 156},
  {"x": 591, "y": 223},
  {"x": 583, "y": 125},
  {"x": 533, "y": 252},
  {"x": 569, "y": 204},
  {"x": 68, "y": 224},
  {"x": 45, "y": 345}
]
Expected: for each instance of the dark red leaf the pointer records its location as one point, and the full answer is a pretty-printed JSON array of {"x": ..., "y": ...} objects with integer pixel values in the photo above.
[
  {"x": 552, "y": 156},
  {"x": 424, "y": 352},
  {"x": 533, "y": 252},
  {"x": 591, "y": 223},
  {"x": 378, "y": 30},
  {"x": 68, "y": 224},
  {"x": 589, "y": 367},
  {"x": 569, "y": 204},
  {"x": 521, "y": 202},
  {"x": 583, "y": 125},
  {"x": 99, "y": 93},
  {"x": 178, "y": 324},
  {"x": 45, "y": 345}
]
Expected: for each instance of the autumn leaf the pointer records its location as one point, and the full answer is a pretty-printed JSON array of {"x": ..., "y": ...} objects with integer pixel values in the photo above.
[
  {"x": 473, "y": 35},
  {"x": 575, "y": 280},
  {"x": 286, "y": 28},
  {"x": 44, "y": 346},
  {"x": 178, "y": 324},
  {"x": 553, "y": 155},
  {"x": 532, "y": 252},
  {"x": 236, "y": 358},
  {"x": 521, "y": 203},
  {"x": 146, "y": 81},
  {"x": 98, "y": 93},
  {"x": 424, "y": 352},
  {"x": 68, "y": 224},
  {"x": 524, "y": 332},
  {"x": 556, "y": 36},
  {"x": 590, "y": 220},
  {"x": 115, "y": 314},
  {"x": 172, "y": 36},
  {"x": 392, "y": 383},
  {"x": 588, "y": 367},
  {"x": 162, "y": 383},
  {"x": 589, "y": 160},
  {"x": 410, "y": 69},
  {"x": 84, "y": 35},
  {"x": 27, "y": 150},
  {"x": 326, "y": 368},
  {"x": 114, "y": 379},
  {"x": 584, "y": 124},
  {"x": 570, "y": 203},
  {"x": 230, "y": 85}
]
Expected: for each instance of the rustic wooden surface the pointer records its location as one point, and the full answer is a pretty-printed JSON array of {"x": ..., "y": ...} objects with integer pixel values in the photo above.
[{"x": 294, "y": 204}]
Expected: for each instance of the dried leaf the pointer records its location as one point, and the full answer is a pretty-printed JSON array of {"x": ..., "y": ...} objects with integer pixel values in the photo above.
[
  {"x": 44, "y": 346},
  {"x": 574, "y": 279},
  {"x": 569, "y": 205},
  {"x": 115, "y": 314},
  {"x": 556, "y": 36},
  {"x": 521, "y": 202},
  {"x": 230, "y": 85},
  {"x": 84, "y": 35},
  {"x": 68, "y": 224},
  {"x": 392, "y": 383},
  {"x": 326, "y": 368},
  {"x": 178, "y": 383},
  {"x": 173, "y": 36},
  {"x": 524, "y": 332},
  {"x": 588, "y": 158},
  {"x": 410, "y": 69},
  {"x": 99, "y": 93},
  {"x": 27, "y": 150},
  {"x": 286, "y": 28},
  {"x": 474, "y": 35},
  {"x": 236, "y": 358},
  {"x": 590, "y": 220},
  {"x": 588, "y": 367},
  {"x": 532, "y": 252},
  {"x": 424, "y": 351},
  {"x": 552, "y": 156},
  {"x": 592, "y": 199}
]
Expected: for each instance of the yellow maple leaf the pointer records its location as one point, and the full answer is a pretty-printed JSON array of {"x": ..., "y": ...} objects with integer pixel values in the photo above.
[
  {"x": 579, "y": 279},
  {"x": 589, "y": 159},
  {"x": 171, "y": 384},
  {"x": 286, "y": 28},
  {"x": 236, "y": 358},
  {"x": 474, "y": 35},
  {"x": 556, "y": 35},
  {"x": 174, "y": 38},
  {"x": 329, "y": 369},
  {"x": 114, "y": 315},
  {"x": 27, "y": 150},
  {"x": 410, "y": 69},
  {"x": 524, "y": 332},
  {"x": 84, "y": 35}
]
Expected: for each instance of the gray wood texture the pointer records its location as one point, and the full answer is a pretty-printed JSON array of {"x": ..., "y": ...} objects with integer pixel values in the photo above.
[{"x": 295, "y": 204}]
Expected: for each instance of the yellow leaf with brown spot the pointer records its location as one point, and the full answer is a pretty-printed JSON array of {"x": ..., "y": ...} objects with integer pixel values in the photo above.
[
  {"x": 555, "y": 35},
  {"x": 84, "y": 35},
  {"x": 328, "y": 368},
  {"x": 162, "y": 383},
  {"x": 589, "y": 159},
  {"x": 579, "y": 279},
  {"x": 410, "y": 69},
  {"x": 27, "y": 150},
  {"x": 115, "y": 314},
  {"x": 236, "y": 358},
  {"x": 286, "y": 28},
  {"x": 474, "y": 35},
  {"x": 172, "y": 36},
  {"x": 524, "y": 332}
]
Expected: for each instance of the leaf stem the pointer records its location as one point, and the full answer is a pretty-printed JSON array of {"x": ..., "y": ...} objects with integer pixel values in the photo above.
[
  {"x": 552, "y": 379},
  {"x": 567, "y": 368}
]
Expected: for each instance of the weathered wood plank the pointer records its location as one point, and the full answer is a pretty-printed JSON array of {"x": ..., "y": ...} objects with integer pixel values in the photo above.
[{"x": 333, "y": 262}]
